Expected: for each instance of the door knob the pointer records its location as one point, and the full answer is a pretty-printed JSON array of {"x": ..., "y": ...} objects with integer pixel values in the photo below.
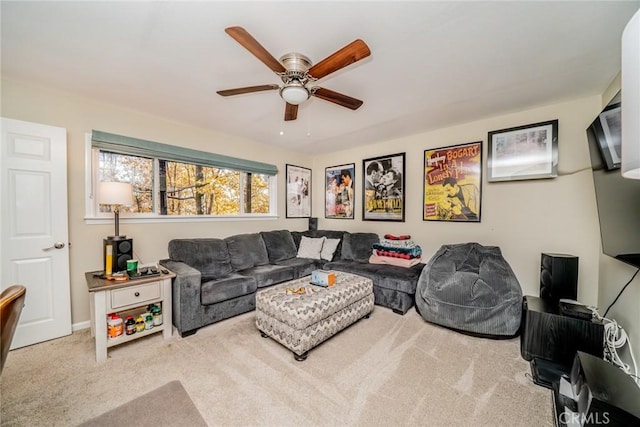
[{"x": 56, "y": 245}]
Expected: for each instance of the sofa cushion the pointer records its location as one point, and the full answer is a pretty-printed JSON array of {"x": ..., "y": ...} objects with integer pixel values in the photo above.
[
  {"x": 390, "y": 277},
  {"x": 279, "y": 244},
  {"x": 329, "y": 248},
  {"x": 302, "y": 266},
  {"x": 226, "y": 288},
  {"x": 297, "y": 236},
  {"x": 247, "y": 250},
  {"x": 358, "y": 246},
  {"x": 267, "y": 275},
  {"x": 310, "y": 247},
  {"x": 329, "y": 234},
  {"x": 209, "y": 256}
]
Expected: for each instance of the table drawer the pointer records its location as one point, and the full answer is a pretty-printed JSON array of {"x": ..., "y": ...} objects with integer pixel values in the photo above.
[{"x": 135, "y": 295}]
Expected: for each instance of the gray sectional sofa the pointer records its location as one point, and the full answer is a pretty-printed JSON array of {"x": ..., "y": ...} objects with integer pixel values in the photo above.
[{"x": 218, "y": 278}]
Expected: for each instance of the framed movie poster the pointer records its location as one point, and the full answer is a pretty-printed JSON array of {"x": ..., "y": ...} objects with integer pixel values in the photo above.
[
  {"x": 339, "y": 198},
  {"x": 383, "y": 183},
  {"x": 523, "y": 152},
  {"x": 453, "y": 183},
  {"x": 298, "y": 192}
]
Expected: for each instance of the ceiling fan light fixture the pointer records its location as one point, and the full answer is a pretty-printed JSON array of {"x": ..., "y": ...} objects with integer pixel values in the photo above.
[
  {"x": 297, "y": 71},
  {"x": 294, "y": 94}
]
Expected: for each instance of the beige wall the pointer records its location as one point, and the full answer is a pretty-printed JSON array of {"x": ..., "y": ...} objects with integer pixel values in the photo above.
[
  {"x": 79, "y": 116},
  {"x": 524, "y": 218}
]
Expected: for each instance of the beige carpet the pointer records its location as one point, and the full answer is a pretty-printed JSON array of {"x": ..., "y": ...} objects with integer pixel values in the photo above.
[
  {"x": 168, "y": 405},
  {"x": 389, "y": 370}
]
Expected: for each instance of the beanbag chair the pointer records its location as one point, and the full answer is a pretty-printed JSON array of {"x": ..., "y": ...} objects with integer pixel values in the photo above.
[{"x": 470, "y": 288}]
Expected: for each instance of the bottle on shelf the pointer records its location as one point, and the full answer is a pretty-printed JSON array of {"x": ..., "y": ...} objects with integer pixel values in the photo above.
[
  {"x": 129, "y": 325},
  {"x": 139, "y": 324},
  {"x": 156, "y": 312},
  {"x": 148, "y": 320},
  {"x": 114, "y": 325}
]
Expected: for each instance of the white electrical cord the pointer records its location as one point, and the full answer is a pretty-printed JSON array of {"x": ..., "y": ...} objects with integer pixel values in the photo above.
[{"x": 615, "y": 337}]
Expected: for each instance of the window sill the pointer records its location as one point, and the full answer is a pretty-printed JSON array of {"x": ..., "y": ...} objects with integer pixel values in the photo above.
[{"x": 175, "y": 219}]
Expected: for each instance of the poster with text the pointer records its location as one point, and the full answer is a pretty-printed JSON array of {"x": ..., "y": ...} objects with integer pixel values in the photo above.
[
  {"x": 453, "y": 183},
  {"x": 383, "y": 183}
]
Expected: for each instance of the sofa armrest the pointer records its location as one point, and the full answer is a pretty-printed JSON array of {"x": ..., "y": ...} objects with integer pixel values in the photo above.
[{"x": 186, "y": 295}]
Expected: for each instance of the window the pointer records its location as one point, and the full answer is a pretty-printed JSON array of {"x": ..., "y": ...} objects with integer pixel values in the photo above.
[
  {"x": 136, "y": 170},
  {"x": 201, "y": 190},
  {"x": 170, "y": 182}
]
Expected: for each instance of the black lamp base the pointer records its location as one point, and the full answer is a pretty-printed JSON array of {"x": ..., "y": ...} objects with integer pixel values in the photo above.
[{"x": 116, "y": 237}]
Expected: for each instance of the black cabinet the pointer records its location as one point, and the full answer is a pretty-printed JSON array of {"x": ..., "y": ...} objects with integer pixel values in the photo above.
[{"x": 551, "y": 336}]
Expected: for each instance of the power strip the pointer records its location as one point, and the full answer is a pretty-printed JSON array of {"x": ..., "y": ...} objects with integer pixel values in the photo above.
[{"x": 615, "y": 337}]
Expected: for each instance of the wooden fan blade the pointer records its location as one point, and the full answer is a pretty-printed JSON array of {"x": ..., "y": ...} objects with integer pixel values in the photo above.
[
  {"x": 337, "y": 98},
  {"x": 241, "y": 35},
  {"x": 249, "y": 89},
  {"x": 290, "y": 112},
  {"x": 354, "y": 51}
]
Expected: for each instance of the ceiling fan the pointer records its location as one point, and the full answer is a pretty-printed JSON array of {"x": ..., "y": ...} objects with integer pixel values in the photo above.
[{"x": 297, "y": 73}]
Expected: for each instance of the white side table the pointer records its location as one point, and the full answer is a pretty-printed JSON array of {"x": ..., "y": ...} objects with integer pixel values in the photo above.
[{"x": 129, "y": 297}]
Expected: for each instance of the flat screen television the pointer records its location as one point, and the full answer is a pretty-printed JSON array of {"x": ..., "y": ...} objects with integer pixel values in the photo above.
[
  {"x": 618, "y": 198},
  {"x": 607, "y": 127}
]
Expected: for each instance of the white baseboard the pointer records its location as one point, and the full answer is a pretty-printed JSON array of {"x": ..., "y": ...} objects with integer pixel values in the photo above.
[{"x": 79, "y": 326}]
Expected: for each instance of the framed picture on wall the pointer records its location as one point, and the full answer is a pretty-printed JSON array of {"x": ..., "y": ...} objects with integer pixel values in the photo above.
[
  {"x": 523, "y": 152},
  {"x": 384, "y": 188},
  {"x": 453, "y": 183},
  {"x": 339, "y": 200},
  {"x": 298, "y": 192}
]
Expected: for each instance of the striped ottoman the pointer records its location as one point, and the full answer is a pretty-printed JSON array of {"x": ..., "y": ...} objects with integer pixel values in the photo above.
[{"x": 301, "y": 322}]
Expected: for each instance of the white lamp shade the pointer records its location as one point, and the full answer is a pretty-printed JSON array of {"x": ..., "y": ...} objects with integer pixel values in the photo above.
[
  {"x": 631, "y": 99},
  {"x": 115, "y": 193},
  {"x": 295, "y": 94}
]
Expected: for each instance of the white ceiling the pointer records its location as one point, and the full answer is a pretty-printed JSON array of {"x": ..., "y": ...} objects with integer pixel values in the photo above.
[{"x": 432, "y": 64}]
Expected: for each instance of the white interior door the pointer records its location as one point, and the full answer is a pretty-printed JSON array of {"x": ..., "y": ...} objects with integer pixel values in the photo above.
[{"x": 35, "y": 249}]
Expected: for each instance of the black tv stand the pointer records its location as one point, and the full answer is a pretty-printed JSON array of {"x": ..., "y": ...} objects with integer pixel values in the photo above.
[{"x": 550, "y": 339}]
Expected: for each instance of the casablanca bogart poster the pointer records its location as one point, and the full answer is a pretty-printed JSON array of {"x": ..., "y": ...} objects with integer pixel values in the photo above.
[
  {"x": 383, "y": 183},
  {"x": 452, "y": 183}
]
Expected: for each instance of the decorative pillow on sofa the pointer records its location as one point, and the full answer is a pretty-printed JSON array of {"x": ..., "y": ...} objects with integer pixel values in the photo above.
[
  {"x": 247, "y": 250},
  {"x": 280, "y": 245},
  {"x": 328, "y": 248},
  {"x": 358, "y": 246},
  {"x": 310, "y": 247},
  {"x": 327, "y": 234}
]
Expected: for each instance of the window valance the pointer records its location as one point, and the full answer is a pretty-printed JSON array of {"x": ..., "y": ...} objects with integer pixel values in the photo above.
[{"x": 140, "y": 147}]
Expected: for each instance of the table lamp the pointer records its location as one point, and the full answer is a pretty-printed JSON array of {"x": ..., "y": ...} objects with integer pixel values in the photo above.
[{"x": 115, "y": 194}]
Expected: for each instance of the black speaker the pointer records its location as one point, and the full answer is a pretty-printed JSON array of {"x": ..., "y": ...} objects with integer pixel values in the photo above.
[
  {"x": 558, "y": 277},
  {"x": 116, "y": 253},
  {"x": 604, "y": 394},
  {"x": 313, "y": 224}
]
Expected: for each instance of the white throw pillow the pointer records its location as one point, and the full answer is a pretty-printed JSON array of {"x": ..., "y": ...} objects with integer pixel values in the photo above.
[
  {"x": 328, "y": 248},
  {"x": 310, "y": 247}
]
